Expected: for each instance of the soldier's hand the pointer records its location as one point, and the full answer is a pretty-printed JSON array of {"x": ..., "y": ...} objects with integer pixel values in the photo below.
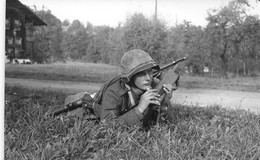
[{"x": 149, "y": 97}]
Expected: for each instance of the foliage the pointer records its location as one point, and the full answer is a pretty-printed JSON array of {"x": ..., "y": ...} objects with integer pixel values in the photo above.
[
  {"x": 194, "y": 133},
  {"x": 117, "y": 46},
  {"x": 99, "y": 73},
  {"x": 227, "y": 45},
  {"x": 145, "y": 34},
  {"x": 191, "y": 41},
  {"x": 48, "y": 39},
  {"x": 99, "y": 47},
  {"x": 75, "y": 40},
  {"x": 228, "y": 29}
]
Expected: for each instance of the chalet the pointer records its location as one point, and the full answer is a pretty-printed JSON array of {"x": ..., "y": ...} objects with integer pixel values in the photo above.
[{"x": 19, "y": 30}]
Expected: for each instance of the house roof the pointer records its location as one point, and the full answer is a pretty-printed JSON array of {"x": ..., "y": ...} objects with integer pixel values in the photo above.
[{"x": 29, "y": 15}]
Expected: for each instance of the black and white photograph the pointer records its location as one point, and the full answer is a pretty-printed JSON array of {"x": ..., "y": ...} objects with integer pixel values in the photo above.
[{"x": 131, "y": 79}]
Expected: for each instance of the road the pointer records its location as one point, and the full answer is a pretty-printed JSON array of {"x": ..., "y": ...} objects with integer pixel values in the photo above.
[{"x": 201, "y": 97}]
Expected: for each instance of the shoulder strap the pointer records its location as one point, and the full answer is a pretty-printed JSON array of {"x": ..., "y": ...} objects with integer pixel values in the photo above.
[{"x": 130, "y": 94}]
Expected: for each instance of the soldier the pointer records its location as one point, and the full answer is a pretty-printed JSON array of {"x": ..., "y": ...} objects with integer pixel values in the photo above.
[{"x": 128, "y": 96}]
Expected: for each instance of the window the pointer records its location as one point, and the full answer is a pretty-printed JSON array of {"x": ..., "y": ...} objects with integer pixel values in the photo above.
[
  {"x": 17, "y": 25},
  {"x": 18, "y": 41},
  {"x": 10, "y": 50},
  {"x": 9, "y": 40},
  {"x": 7, "y": 23}
]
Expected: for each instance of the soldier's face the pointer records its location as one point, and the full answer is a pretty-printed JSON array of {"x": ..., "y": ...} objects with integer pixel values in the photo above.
[{"x": 143, "y": 80}]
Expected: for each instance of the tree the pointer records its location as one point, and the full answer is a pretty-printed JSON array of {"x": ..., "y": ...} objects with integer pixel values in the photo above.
[
  {"x": 117, "y": 45},
  {"x": 99, "y": 47},
  {"x": 48, "y": 38},
  {"x": 74, "y": 43},
  {"x": 66, "y": 23},
  {"x": 249, "y": 47},
  {"x": 145, "y": 34},
  {"x": 225, "y": 32},
  {"x": 189, "y": 40}
]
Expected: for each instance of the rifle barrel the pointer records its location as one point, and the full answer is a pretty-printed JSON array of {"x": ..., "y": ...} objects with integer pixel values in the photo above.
[{"x": 172, "y": 63}]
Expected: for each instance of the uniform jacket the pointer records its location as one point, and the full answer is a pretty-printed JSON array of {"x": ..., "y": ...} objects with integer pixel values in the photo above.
[{"x": 115, "y": 104}]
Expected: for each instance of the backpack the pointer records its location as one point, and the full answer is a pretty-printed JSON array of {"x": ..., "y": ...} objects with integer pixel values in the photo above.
[{"x": 85, "y": 99}]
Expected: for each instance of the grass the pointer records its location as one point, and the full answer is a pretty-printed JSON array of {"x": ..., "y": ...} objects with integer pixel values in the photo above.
[
  {"x": 70, "y": 71},
  {"x": 99, "y": 73},
  {"x": 192, "y": 133}
]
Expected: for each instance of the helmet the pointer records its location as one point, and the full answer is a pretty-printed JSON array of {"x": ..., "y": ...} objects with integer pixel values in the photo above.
[{"x": 136, "y": 61}]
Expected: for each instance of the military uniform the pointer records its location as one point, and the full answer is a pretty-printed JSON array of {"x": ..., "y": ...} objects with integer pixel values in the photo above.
[
  {"x": 114, "y": 98},
  {"x": 116, "y": 104}
]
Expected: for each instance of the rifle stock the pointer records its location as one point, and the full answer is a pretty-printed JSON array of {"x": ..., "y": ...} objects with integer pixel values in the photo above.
[
  {"x": 72, "y": 102},
  {"x": 68, "y": 107}
]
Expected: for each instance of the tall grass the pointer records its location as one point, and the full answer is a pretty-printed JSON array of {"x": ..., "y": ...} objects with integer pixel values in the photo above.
[
  {"x": 99, "y": 73},
  {"x": 192, "y": 133}
]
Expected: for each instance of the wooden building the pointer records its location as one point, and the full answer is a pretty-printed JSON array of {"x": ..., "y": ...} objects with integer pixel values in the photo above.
[{"x": 19, "y": 30}]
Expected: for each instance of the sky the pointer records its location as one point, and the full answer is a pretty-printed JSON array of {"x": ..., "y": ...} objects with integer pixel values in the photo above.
[{"x": 113, "y": 12}]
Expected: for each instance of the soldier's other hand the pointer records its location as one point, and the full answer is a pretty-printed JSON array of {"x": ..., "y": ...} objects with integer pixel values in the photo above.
[{"x": 149, "y": 97}]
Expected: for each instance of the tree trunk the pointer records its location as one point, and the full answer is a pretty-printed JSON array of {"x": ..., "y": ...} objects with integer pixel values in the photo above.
[
  {"x": 224, "y": 60},
  {"x": 244, "y": 68}
]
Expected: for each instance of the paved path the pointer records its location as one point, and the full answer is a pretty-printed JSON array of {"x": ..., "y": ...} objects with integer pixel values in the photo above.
[
  {"x": 225, "y": 98},
  {"x": 202, "y": 97}
]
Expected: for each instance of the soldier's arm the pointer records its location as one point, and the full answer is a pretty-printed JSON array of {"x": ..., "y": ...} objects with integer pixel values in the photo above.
[{"x": 112, "y": 106}]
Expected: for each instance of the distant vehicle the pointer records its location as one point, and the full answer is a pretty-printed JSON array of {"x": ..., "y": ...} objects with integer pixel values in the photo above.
[
  {"x": 23, "y": 61},
  {"x": 18, "y": 61},
  {"x": 206, "y": 69}
]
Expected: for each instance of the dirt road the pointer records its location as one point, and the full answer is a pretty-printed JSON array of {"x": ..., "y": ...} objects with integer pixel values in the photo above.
[{"x": 201, "y": 97}]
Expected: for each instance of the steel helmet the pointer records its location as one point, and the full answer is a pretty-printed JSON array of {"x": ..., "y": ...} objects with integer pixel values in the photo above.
[{"x": 136, "y": 61}]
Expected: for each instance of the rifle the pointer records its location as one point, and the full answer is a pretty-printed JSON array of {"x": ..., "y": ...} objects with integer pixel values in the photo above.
[
  {"x": 85, "y": 99},
  {"x": 170, "y": 77},
  {"x": 158, "y": 73},
  {"x": 72, "y": 102}
]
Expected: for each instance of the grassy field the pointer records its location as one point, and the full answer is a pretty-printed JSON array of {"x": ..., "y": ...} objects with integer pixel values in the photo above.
[
  {"x": 193, "y": 133},
  {"x": 31, "y": 132},
  {"x": 70, "y": 71},
  {"x": 99, "y": 73}
]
